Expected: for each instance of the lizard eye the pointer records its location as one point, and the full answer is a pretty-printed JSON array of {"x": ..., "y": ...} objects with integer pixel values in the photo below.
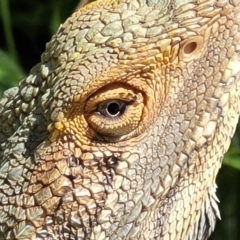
[
  {"x": 112, "y": 108},
  {"x": 115, "y": 111}
]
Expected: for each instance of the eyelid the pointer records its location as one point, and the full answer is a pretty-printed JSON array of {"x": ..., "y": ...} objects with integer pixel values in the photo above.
[{"x": 116, "y": 92}]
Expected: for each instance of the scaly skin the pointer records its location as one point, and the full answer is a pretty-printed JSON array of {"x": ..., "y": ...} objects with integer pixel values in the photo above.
[{"x": 121, "y": 129}]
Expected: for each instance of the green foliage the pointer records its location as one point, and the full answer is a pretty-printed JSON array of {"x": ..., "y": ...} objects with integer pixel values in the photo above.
[
  {"x": 27, "y": 25},
  {"x": 232, "y": 159},
  {"x": 10, "y": 72}
]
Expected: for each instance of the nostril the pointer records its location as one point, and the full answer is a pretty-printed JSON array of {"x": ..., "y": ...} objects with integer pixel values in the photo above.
[{"x": 190, "y": 48}]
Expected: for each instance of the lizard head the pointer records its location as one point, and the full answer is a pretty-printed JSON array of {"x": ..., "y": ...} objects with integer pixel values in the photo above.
[{"x": 120, "y": 131}]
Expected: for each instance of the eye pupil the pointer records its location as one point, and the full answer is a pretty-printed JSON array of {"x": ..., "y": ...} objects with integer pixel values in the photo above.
[{"x": 113, "y": 108}]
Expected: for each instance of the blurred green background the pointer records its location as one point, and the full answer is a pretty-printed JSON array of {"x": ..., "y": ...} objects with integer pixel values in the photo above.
[{"x": 26, "y": 26}]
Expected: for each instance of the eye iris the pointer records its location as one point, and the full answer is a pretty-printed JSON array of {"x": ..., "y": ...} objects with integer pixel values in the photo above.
[{"x": 113, "y": 108}]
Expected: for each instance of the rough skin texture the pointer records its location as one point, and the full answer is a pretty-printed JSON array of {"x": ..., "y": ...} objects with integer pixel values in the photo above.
[{"x": 120, "y": 130}]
